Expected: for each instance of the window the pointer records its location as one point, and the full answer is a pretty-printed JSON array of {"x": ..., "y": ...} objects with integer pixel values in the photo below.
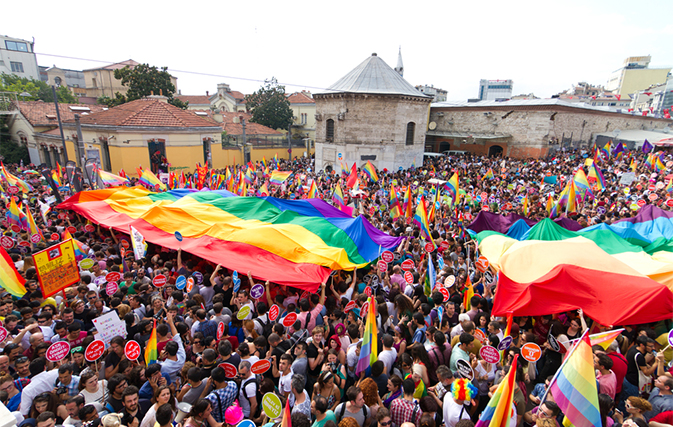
[
  {"x": 304, "y": 118},
  {"x": 16, "y": 46},
  {"x": 329, "y": 135},
  {"x": 17, "y": 67},
  {"x": 411, "y": 129}
]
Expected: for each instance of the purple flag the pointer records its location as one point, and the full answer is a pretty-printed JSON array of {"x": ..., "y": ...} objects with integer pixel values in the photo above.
[{"x": 647, "y": 147}]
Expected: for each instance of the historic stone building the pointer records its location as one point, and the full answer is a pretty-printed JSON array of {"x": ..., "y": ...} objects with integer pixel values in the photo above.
[{"x": 373, "y": 114}]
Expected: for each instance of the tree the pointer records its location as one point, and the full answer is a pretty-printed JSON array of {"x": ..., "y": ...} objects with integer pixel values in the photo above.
[
  {"x": 269, "y": 106},
  {"x": 143, "y": 80},
  {"x": 37, "y": 89},
  {"x": 10, "y": 151}
]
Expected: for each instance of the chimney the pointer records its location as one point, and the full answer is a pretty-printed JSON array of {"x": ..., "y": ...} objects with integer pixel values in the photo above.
[{"x": 207, "y": 93}]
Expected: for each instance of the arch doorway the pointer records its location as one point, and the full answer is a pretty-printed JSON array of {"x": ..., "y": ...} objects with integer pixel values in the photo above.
[{"x": 495, "y": 151}]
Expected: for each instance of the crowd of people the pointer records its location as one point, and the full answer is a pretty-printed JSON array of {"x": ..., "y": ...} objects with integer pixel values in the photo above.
[{"x": 417, "y": 379}]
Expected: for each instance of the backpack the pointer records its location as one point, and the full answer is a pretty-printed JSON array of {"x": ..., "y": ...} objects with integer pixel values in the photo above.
[
  {"x": 253, "y": 379},
  {"x": 267, "y": 327},
  {"x": 343, "y": 411}
]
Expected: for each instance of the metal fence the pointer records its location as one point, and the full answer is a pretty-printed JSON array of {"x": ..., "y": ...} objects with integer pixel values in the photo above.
[{"x": 265, "y": 141}]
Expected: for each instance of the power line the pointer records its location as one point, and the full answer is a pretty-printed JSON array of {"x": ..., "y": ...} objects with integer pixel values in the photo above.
[{"x": 196, "y": 73}]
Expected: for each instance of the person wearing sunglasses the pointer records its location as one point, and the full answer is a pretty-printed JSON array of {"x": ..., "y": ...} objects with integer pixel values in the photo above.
[
  {"x": 22, "y": 368},
  {"x": 382, "y": 417}
]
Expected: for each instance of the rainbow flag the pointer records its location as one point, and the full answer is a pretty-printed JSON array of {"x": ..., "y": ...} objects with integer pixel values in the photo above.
[
  {"x": 571, "y": 206},
  {"x": 151, "y": 354},
  {"x": 111, "y": 179},
  {"x": 287, "y": 416},
  {"x": 574, "y": 387},
  {"x": 452, "y": 186},
  {"x": 468, "y": 293},
  {"x": 395, "y": 209},
  {"x": 581, "y": 181},
  {"x": 596, "y": 174},
  {"x": 488, "y": 175},
  {"x": 658, "y": 164},
  {"x": 498, "y": 412},
  {"x": 12, "y": 180},
  {"x": 606, "y": 150},
  {"x": 313, "y": 190},
  {"x": 248, "y": 176},
  {"x": 353, "y": 179},
  {"x": 263, "y": 190},
  {"x": 150, "y": 180},
  {"x": 368, "y": 351},
  {"x": 524, "y": 205},
  {"x": 421, "y": 219},
  {"x": 604, "y": 339},
  {"x": 13, "y": 214},
  {"x": 370, "y": 170},
  {"x": 408, "y": 208},
  {"x": 338, "y": 198},
  {"x": 32, "y": 227},
  {"x": 669, "y": 187},
  {"x": 279, "y": 177},
  {"x": 430, "y": 278},
  {"x": 10, "y": 279},
  {"x": 80, "y": 253}
]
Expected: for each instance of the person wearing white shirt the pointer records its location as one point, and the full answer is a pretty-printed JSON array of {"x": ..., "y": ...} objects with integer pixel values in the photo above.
[
  {"x": 174, "y": 352},
  {"x": 40, "y": 383}
]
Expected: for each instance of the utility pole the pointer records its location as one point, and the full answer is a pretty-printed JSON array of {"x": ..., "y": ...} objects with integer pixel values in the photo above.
[
  {"x": 80, "y": 142},
  {"x": 289, "y": 142},
  {"x": 245, "y": 145},
  {"x": 60, "y": 125}
]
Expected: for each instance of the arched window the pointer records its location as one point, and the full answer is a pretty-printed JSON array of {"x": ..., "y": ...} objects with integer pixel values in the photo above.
[
  {"x": 411, "y": 129},
  {"x": 329, "y": 134}
]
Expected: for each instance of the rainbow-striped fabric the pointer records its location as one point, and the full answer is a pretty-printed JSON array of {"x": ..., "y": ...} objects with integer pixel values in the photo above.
[
  {"x": 452, "y": 186},
  {"x": 596, "y": 174},
  {"x": 151, "y": 353},
  {"x": 604, "y": 339},
  {"x": 368, "y": 351},
  {"x": 498, "y": 412},
  {"x": 279, "y": 177},
  {"x": 370, "y": 170},
  {"x": 111, "y": 179},
  {"x": 421, "y": 220},
  {"x": 468, "y": 294},
  {"x": 12, "y": 180},
  {"x": 574, "y": 388},
  {"x": 395, "y": 209},
  {"x": 150, "y": 180},
  {"x": 313, "y": 191},
  {"x": 10, "y": 279}
]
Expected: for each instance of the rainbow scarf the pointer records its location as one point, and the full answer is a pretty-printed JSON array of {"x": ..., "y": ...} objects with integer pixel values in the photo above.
[
  {"x": 574, "y": 387},
  {"x": 279, "y": 177},
  {"x": 368, "y": 351},
  {"x": 10, "y": 279},
  {"x": 151, "y": 353},
  {"x": 498, "y": 412},
  {"x": 370, "y": 170}
]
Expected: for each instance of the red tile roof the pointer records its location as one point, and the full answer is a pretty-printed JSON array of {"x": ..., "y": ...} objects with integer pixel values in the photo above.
[
  {"x": 300, "y": 98},
  {"x": 250, "y": 128},
  {"x": 194, "y": 99},
  {"x": 147, "y": 112},
  {"x": 37, "y": 111}
]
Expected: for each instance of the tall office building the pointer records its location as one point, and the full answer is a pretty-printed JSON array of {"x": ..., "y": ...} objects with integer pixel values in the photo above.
[{"x": 492, "y": 90}]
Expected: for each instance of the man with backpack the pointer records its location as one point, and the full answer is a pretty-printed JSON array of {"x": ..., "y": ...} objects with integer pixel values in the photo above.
[
  {"x": 247, "y": 395},
  {"x": 354, "y": 407}
]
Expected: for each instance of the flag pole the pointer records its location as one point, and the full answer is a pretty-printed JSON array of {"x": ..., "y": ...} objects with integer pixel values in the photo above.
[{"x": 544, "y": 397}]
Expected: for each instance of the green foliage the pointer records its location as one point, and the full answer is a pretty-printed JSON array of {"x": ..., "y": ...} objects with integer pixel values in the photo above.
[
  {"x": 10, "y": 151},
  {"x": 269, "y": 106},
  {"x": 143, "y": 81},
  {"x": 37, "y": 89}
]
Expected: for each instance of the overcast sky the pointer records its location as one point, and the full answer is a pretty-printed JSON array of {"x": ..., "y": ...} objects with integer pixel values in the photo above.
[{"x": 544, "y": 47}]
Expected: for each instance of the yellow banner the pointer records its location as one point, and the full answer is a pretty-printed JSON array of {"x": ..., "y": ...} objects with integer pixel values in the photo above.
[{"x": 56, "y": 267}]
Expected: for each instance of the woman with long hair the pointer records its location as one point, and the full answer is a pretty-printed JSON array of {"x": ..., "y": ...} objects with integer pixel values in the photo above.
[
  {"x": 421, "y": 362},
  {"x": 325, "y": 387},
  {"x": 439, "y": 354},
  {"x": 200, "y": 415},
  {"x": 334, "y": 343},
  {"x": 249, "y": 329},
  {"x": 162, "y": 395},
  {"x": 44, "y": 402},
  {"x": 370, "y": 394},
  {"x": 93, "y": 389},
  {"x": 394, "y": 390}
]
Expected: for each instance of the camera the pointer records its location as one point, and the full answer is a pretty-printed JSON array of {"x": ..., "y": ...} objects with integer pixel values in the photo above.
[
  {"x": 61, "y": 390},
  {"x": 333, "y": 366}
]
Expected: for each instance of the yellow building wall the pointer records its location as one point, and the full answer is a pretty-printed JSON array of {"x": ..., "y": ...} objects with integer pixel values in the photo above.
[
  {"x": 640, "y": 79},
  {"x": 129, "y": 158},
  {"x": 226, "y": 157},
  {"x": 309, "y": 126}
]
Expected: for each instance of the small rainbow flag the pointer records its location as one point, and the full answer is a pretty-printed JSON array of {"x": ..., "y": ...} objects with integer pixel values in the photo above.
[
  {"x": 395, "y": 209},
  {"x": 368, "y": 351},
  {"x": 279, "y": 177},
  {"x": 452, "y": 186},
  {"x": 408, "y": 208},
  {"x": 287, "y": 416},
  {"x": 421, "y": 219},
  {"x": 596, "y": 174},
  {"x": 12, "y": 180},
  {"x": 370, "y": 170},
  {"x": 604, "y": 339},
  {"x": 151, "y": 354},
  {"x": 488, "y": 175},
  {"x": 13, "y": 214},
  {"x": 313, "y": 190},
  {"x": 574, "y": 387},
  {"x": 468, "y": 294},
  {"x": 498, "y": 412},
  {"x": 150, "y": 180},
  {"x": 80, "y": 253},
  {"x": 10, "y": 279},
  {"x": 32, "y": 227},
  {"x": 263, "y": 190},
  {"x": 111, "y": 179}
]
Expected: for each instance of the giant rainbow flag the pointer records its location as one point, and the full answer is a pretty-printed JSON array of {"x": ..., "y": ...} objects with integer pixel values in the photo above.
[{"x": 289, "y": 242}]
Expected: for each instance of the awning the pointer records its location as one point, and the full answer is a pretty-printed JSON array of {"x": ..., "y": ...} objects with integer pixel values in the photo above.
[
  {"x": 665, "y": 142},
  {"x": 468, "y": 135}
]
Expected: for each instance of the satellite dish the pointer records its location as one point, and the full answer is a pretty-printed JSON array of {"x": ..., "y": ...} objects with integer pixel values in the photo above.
[
  {"x": 432, "y": 125},
  {"x": 616, "y": 132}
]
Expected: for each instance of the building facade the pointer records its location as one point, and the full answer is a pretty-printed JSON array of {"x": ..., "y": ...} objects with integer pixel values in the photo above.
[
  {"x": 493, "y": 90},
  {"x": 18, "y": 57},
  {"x": 437, "y": 94},
  {"x": 72, "y": 79},
  {"x": 303, "y": 107},
  {"x": 102, "y": 82},
  {"x": 635, "y": 75},
  {"x": 525, "y": 128},
  {"x": 371, "y": 114}
]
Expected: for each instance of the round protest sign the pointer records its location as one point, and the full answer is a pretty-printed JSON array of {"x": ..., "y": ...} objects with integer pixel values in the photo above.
[
  {"x": 35, "y": 238},
  {"x": 89, "y": 228},
  {"x": 429, "y": 247},
  {"x": 111, "y": 288},
  {"x": 482, "y": 264},
  {"x": 641, "y": 202},
  {"x": 409, "y": 277},
  {"x": 305, "y": 295},
  {"x": 24, "y": 243},
  {"x": 351, "y": 305},
  {"x": 531, "y": 352},
  {"x": 363, "y": 309},
  {"x": 62, "y": 216},
  {"x": 15, "y": 228},
  {"x": 505, "y": 343},
  {"x": 181, "y": 282},
  {"x": 372, "y": 211},
  {"x": 246, "y": 423},
  {"x": 670, "y": 338},
  {"x": 159, "y": 280},
  {"x": 6, "y": 242},
  {"x": 368, "y": 291},
  {"x": 12, "y": 189},
  {"x": 651, "y": 187},
  {"x": 243, "y": 312},
  {"x": 271, "y": 405},
  {"x": 274, "y": 311},
  {"x": 553, "y": 343},
  {"x": 94, "y": 351},
  {"x": 230, "y": 370},
  {"x": 464, "y": 369},
  {"x": 71, "y": 230},
  {"x": 3, "y": 333},
  {"x": 653, "y": 197},
  {"x": 444, "y": 245},
  {"x": 260, "y": 367},
  {"x": 113, "y": 276},
  {"x": 125, "y": 244},
  {"x": 190, "y": 284},
  {"x": 257, "y": 291},
  {"x": 289, "y": 320},
  {"x": 198, "y": 277},
  {"x": 669, "y": 203},
  {"x": 86, "y": 263},
  {"x": 220, "y": 330},
  {"x": 479, "y": 335},
  {"x": 449, "y": 281},
  {"x": 409, "y": 219},
  {"x": 178, "y": 236},
  {"x": 57, "y": 351},
  {"x": 382, "y": 266},
  {"x": 408, "y": 265},
  {"x": 132, "y": 350},
  {"x": 489, "y": 354},
  {"x": 54, "y": 236},
  {"x": 388, "y": 257},
  {"x": 445, "y": 293}
]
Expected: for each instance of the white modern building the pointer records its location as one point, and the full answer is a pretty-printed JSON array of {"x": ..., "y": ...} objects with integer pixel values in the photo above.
[
  {"x": 17, "y": 57},
  {"x": 494, "y": 90}
]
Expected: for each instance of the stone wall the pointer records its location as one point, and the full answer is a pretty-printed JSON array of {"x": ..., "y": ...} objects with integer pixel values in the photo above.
[
  {"x": 370, "y": 125},
  {"x": 532, "y": 129}
]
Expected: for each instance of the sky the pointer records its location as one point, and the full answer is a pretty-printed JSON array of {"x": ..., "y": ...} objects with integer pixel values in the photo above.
[{"x": 544, "y": 47}]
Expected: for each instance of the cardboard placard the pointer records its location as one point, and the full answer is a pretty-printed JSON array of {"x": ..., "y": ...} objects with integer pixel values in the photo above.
[
  {"x": 56, "y": 267},
  {"x": 109, "y": 326}
]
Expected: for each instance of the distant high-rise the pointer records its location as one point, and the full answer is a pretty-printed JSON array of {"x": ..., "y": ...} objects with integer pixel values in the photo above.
[
  {"x": 635, "y": 75},
  {"x": 492, "y": 90}
]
